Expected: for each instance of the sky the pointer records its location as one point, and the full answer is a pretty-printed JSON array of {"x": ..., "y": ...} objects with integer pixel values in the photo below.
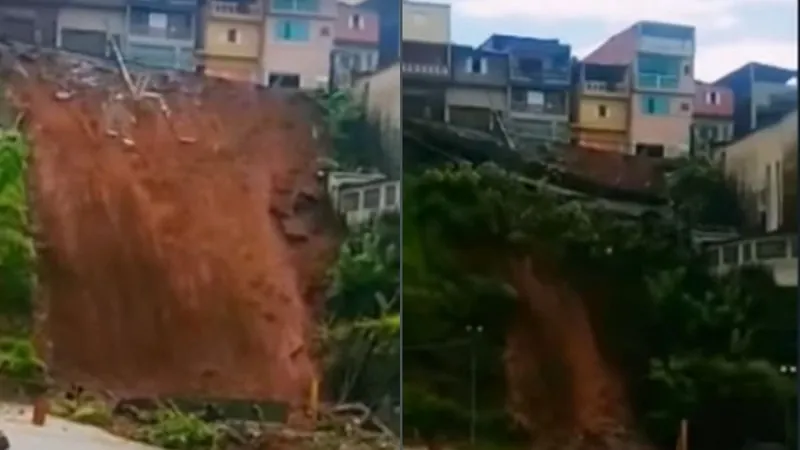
[{"x": 730, "y": 33}]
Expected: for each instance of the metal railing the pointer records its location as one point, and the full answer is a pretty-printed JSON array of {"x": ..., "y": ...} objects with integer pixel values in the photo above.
[
  {"x": 604, "y": 87},
  {"x": 222, "y": 8},
  {"x": 426, "y": 69},
  {"x": 656, "y": 81}
]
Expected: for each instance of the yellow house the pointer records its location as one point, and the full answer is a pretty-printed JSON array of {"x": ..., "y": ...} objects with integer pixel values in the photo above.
[
  {"x": 234, "y": 39},
  {"x": 600, "y": 117}
]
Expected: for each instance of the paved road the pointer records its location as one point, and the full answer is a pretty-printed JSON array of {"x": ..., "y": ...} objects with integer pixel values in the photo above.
[{"x": 57, "y": 434}]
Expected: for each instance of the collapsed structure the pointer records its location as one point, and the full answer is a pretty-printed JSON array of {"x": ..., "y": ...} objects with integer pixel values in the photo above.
[{"x": 182, "y": 238}]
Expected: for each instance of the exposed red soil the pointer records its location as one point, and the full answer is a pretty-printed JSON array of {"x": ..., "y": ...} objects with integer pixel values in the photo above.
[
  {"x": 174, "y": 268},
  {"x": 561, "y": 388}
]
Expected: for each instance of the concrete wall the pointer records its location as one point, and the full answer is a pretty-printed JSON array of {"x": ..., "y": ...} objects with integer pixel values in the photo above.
[
  {"x": 382, "y": 94},
  {"x": 217, "y": 44},
  {"x": 495, "y": 99},
  {"x": 310, "y": 60},
  {"x": 426, "y": 22},
  {"x": 617, "y": 114},
  {"x": 671, "y": 131},
  {"x": 757, "y": 164}
]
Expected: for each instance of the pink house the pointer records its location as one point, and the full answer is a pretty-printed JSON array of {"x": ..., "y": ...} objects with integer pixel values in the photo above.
[
  {"x": 356, "y": 43},
  {"x": 713, "y": 116}
]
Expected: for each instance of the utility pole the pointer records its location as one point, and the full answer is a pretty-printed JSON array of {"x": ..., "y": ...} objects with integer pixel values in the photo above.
[{"x": 474, "y": 332}]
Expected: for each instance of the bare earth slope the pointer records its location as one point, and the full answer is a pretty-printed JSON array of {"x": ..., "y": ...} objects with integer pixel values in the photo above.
[{"x": 188, "y": 262}]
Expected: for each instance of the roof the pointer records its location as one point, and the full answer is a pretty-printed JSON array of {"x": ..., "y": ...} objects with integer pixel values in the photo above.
[
  {"x": 507, "y": 38},
  {"x": 761, "y": 72}
]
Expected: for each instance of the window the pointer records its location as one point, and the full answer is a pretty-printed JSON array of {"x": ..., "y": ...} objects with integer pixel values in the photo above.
[
  {"x": 712, "y": 98},
  {"x": 350, "y": 201},
  {"x": 771, "y": 249},
  {"x": 534, "y": 98},
  {"x": 292, "y": 30},
  {"x": 651, "y": 150},
  {"x": 233, "y": 36},
  {"x": 325, "y": 32},
  {"x": 730, "y": 254},
  {"x": 602, "y": 111},
  {"x": 655, "y": 105},
  {"x": 418, "y": 19},
  {"x": 307, "y": 6},
  {"x": 356, "y": 22},
  {"x": 477, "y": 65},
  {"x": 287, "y": 80},
  {"x": 390, "y": 195},
  {"x": 687, "y": 70},
  {"x": 686, "y": 106},
  {"x": 372, "y": 198},
  {"x": 157, "y": 20}
]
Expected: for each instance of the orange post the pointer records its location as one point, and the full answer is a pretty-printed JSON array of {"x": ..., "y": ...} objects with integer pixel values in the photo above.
[
  {"x": 40, "y": 409},
  {"x": 313, "y": 399}
]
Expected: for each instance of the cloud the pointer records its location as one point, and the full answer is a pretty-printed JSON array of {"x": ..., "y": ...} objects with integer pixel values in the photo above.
[
  {"x": 713, "y": 61},
  {"x": 708, "y": 13}
]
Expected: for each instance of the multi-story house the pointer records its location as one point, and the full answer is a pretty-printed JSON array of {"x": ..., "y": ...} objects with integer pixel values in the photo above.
[
  {"x": 87, "y": 26},
  {"x": 389, "y": 31},
  {"x": 426, "y": 76},
  {"x": 713, "y": 117},
  {"x": 539, "y": 80},
  {"x": 426, "y": 22},
  {"x": 356, "y": 44},
  {"x": 601, "y": 101},
  {"x": 162, "y": 33},
  {"x": 478, "y": 94},
  {"x": 298, "y": 43},
  {"x": 234, "y": 39},
  {"x": 661, "y": 58},
  {"x": 29, "y": 22},
  {"x": 762, "y": 93}
]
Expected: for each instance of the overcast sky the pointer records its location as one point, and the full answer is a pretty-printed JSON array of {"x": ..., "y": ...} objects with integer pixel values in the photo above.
[{"x": 730, "y": 33}]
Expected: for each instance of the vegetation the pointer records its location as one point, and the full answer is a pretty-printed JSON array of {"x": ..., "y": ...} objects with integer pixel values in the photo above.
[{"x": 688, "y": 344}]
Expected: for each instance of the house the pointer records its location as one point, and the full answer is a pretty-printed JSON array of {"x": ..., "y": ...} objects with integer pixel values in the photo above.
[
  {"x": 381, "y": 93},
  {"x": 357, "y": 35},
  {"x": 764, "y": 166},
  {"x": 762, "y": 93},
  {"x": 713, "y": 117},
  {"x": 539, "y": 85},
  {"x": 389, "y": 29},
  {"x": 298, "y": 43},
  {"x": 86, "y": 26},
  {"x": 29, "y": 22},
  {"x": 361, "y": 197},
  {"x": 234, "y": 39},
  {"x": 162, "y": 33},
  {"x": 661, "y": 59},
  {"x": 601, "y": 102},
  {"x": 478, "y": 93},
  {"x": 426, "y": 77},
  {"x": 426, "y": 22}
]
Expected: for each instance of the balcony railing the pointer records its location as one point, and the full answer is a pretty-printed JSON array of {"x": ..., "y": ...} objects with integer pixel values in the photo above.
[
  {"x": 604, "y": 87},
  {"x": 547, "y": 108},
  {"x": 656, "y": 81},
  {"x": 236, "y": 10},
  {"x": 666, "y": 46},
  {"x": 542, "y": 77},
  {"x": 777, "y": 252},
  {"x": 437, "y": 70},
  {"x": 172, "y": 33}
]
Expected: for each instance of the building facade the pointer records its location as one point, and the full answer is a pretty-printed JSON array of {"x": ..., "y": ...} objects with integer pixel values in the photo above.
[
  {"x": 478, "y": 95},
  {"x": 661, "y": 59},
  {"x": 762, "y": 95},
  {"x": 233, "y": 32},
  {"x": 29, "y": 23},
  {"x": 426, "y": 22},
  {"x": 162, "y": 33},
  {"x": 88, "y": 29},
  {"x": 713, "y": 117},
  {"x": 539, "y": 87},
  {"x": 356, "y": 49},
  {"x": 600, "y": 114},
  {"x": 298, "y": 43}
]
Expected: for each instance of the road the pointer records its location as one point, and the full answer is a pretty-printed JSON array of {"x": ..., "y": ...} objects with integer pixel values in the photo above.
[{"x": 57, "y": 434}]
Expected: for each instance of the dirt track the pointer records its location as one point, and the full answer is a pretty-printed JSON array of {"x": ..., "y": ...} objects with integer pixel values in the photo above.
[{"x": 175, "y": 268}]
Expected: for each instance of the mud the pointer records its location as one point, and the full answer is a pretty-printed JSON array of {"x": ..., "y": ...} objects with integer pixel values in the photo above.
[
  {"x": 187, "y": 260},
  {"x": 560, "y": 387}
]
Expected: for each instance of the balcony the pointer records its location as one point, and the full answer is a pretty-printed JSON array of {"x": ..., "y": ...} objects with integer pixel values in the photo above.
[
  {"x": 518, "y": 106},
  {"x": 166, "y": 5},
  {"x": 656, "y": 81},
  {"x": 553, "y": 77},
  {"x": 666, "y": 46},
  {"x": 426, "y": 69},
  {"x": 778, "y": 253},
  {"x": 605, "y": 88},
  {"x": 236, "y": 10}
]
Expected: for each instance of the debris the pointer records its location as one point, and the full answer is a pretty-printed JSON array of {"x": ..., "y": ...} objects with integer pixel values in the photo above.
[{"x": 63, "y": 95}]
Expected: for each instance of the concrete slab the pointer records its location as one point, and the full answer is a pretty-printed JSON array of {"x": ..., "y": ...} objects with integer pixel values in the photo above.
[{"x": 57, "y": 434}]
